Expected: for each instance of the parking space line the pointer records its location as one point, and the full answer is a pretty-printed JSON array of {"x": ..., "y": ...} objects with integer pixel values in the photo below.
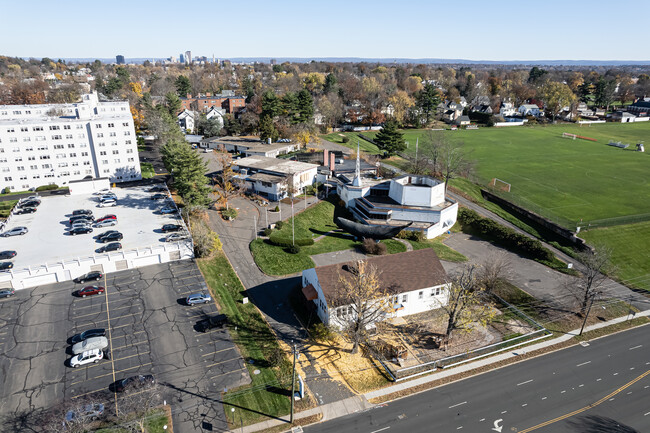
[
  {"x": 90, "y": 392},
  {"x": 219, "y": 351},
  {"x": 110, "y": 341},
  {"x": 120, "y": 371},
  {"x": 122, "y": 291},
  {"x": 131, "y": 333},
  {"x": 223, "y": 362},
  {"x": 228, "y": 372},
  {"x": 122, "y": 326},
  {"x": 89, "y": 314},
  {"x": 118, "y": 318},
  {"x": 131, "y": 345}
]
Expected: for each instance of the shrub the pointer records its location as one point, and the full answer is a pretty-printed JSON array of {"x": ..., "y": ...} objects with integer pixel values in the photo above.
[
  {"x": 7, "y": 190},
  {"x": 277, "y": 208},
  {"x": 293, "y": 249},
  {"x": 371, "y": 247},
  {"x": 267, "y": 231},
  {"x": 229, "y": 214},
  {"x": 411, "y": 235},
  {"x": 279, "y": 240},
  {"x": 320, "y": 332},
  {"x": 345, "y": 139},
  {"x": 279, "y": 224},
  {"x": 47, "y": 187}
]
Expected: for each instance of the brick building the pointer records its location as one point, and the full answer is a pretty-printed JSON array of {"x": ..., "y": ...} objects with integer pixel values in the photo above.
[{"x": 226, "y": 100}]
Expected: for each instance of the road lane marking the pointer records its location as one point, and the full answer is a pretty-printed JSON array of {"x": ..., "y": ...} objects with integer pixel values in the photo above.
[
  {"x": 615, "y": 374},
  {"x": 218, "y": 351},
  {"x": 646, "y": 414},
  {"x": 575, "y": 412},
  {"x": 505, "y": 411},
  {"x": 524, "y": 405},
  {"x": 523, "y": 383},
  {"x": 459, "y": 404},
  {"x": 108, "y": 315},
  {"x": 381, "y": 429},
  {"x": 223, "y": 362},
  {"x": 599, "y": 379},
  {"x": 584, "y": 363},
  {"x": 458, "y": 428},
  {"x": 563, "y": 392},
  {"x": 635, "y": 347},
  {"x": 544, "y": 398}
]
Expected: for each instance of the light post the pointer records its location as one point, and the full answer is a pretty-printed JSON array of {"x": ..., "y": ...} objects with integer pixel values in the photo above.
[
  {"x": 591, "y": 302},
  {"x": 241, "y": 423},
  {"x": 293, "y": 382}
]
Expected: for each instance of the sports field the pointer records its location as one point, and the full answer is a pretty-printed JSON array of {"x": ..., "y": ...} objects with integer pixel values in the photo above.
[{"x": 563, "y": 179}]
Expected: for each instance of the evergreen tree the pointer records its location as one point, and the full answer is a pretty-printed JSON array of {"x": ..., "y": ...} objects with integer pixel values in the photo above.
[
  {"x": 389, "y": 139},
  {"x": 427, "y": 101},
  {"x": 330, "y": 83},
  {"x": 183, "y": 86},
  {"x": 172, "y": 103},
  {"x": 289, "y": 103},
  {"x": 270, "y": 104},
  {"x": 268, "y": 129},
  {"x": 188, "y": 170},
  {"x": 305, "y": 106}
]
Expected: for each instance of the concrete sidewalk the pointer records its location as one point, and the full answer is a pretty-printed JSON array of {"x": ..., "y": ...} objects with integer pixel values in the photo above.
[{"x": 361, "y": 402}]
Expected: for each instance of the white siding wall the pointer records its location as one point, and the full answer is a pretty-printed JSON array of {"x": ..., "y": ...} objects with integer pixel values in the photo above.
[{"x": 309, "y": 276}]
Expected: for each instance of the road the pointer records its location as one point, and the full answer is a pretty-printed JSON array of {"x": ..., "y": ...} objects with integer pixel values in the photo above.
[{"x": 600, "y": 387}]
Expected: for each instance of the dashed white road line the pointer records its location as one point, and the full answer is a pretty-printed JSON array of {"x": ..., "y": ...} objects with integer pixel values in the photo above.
[
  {"x": 635, "y": 347},
  {"x": 584, "y": 363},
  {"x": 523, "y": 383},
  {"x": 381, "y": 429},
  {"x": 459, "y": 404}
]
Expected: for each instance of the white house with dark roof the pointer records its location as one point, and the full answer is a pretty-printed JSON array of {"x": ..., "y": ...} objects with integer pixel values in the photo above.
[
  {"x": 530, "y": 110},
  {"x": 272, "y": 177},
  {"x": 414, "y": 280},
  {"x": 186, "y": 120}
]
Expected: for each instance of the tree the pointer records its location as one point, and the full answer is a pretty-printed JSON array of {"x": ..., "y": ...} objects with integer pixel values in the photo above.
[
  {"x": 270, "y": 104},
  {"x": 330, "y": 83},
  {"x": 204, "y": 239},
  {"x": 188, "y": 170},
  {"x": 135, "y": 407},
  {"x": 363, "y": 301},
  {"x": 305, "y": 136},
  {"x": 536, "y": 74},
  {"x": 305, "y": 106},
  {"x": 183, "y": 86},
  {"x": 432, "y": 144},
  {"x": 172, "y": 103},
  {"x": 226, "y": 185},
  {"x": 389, "y": 139},
  {"x": 604, "y": 92},
  {"x": 453, "y": 161},
  {"x": 493, "y": 271},
  {"x": 427, "y": 101},
  {"x": 209, "y": 127},
  {"x": 556, "y": 96},
  {"x": 268, "y": 129},
  {"x": 466, "y": 303},
  {"x": 589, "y": 284},
  {"x": 401, "y": 102}
]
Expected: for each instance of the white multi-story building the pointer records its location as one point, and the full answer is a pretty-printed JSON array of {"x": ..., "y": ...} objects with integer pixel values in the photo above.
[{"x": 57, "y": 143}]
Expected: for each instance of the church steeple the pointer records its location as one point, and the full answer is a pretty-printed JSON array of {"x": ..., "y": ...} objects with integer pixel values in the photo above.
[{"x": 357, "y": 171}]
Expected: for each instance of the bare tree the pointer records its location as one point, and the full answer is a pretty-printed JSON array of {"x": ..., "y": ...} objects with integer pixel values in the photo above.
[
  {"x": 466, "y": 303},
  {"x": 361, "y": 300},
  {"x": 226, "y": 185},
  {"x": 589, "y": 285},
  {"x": 494, "y": 269},
  {"x": 432, "y": 144},
  {"x": 71, "y": 416},
  {"x": 453, "y": 161},
  {"x": 136, "y": 405}
]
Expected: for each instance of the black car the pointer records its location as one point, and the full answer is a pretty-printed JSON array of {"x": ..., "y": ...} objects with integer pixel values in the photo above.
[
  {"x": 134, "y": 382},
  {"x": 6, "y": 293},
  {"x": 157, "y": 188},
  {"x": 5, "y": 266},
  {"x": 88, "y": 334},
  {"x": 217, "y": 321},
  {"x": 6, "y": 255},
  {"x": 158, "y": 196},
  {"x": 25, "y": 210},
  {"x": 29, "y": 203},
  {"x": 82, "y": 212},
  {"x": 80, "y": 231},
  {"x": 86, "y": 218},
  {"x": 112, "y": 237},
  {"x": 101, "y": 235},
  {"x": 168, "y": 228},
  {"x": 90, "y": 276},
  {"x": 113, "y": 246}
]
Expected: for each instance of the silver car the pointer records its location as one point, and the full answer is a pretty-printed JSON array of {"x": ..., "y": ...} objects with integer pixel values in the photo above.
[
  {"x": 90, "y": 344},
  {"x": 175, "y": 237},
  {"x": 198, "y": 298},
  {"x": 105, "y": 223},
  {"x": 16, "y": 231}
]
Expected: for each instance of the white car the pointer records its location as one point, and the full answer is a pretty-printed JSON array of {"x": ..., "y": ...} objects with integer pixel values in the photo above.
[
  {"x": 90, "y": 344},
  {"x": 105, "y": 223},
  {"x": 16, "y": 231},
  {"x": 80, "y": 224},
  {"x": 103, "y": 191},
  {"x": 107, "y": 203},
  {"x": 175, "y": 237},
  {"x": 94, "y": 355}
]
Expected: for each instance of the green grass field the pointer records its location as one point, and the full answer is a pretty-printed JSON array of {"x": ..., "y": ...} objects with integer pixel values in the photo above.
[{"x": 565, "y": 180}]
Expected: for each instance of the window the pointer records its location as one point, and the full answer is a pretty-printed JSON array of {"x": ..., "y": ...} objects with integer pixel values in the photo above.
[
  {"x": 131, "y": 159},
  {"x": 100, "y": 134},
  {"x": 117, "y": 161},
  {"x": 116, "y": 152},
  {"x": 420, "y": 295},
  {"x": 405, "y": 298},
  {"x": 127, "y": 142},
  {"x": 18, "y": 158},
  {"x": 45, "y": 156},
  {"x": 106, "y": 170},
  {"x": 63, "y": 164},
  {"x": 75, "y": 164},
  {"x": 26, "y": 139},
  {"x": 68, "y": 136},
  {"x": 84, "y": 153},
  {"x": 3, "y": 159},
  {"x": 77, "y": 172},
  {"x": 66, "y": 126},
  {"x": 129, "y": 150},
  {"x": 13, "y": 140},
  {"x": 102, "y": 144},
  {"x": 33, "y": 167},
  {"x": 70, "y": 145},
  {"x": 73, "y": 155},
  {"x": 112, "y": 134},
  {"x": 102, "y": 153},
  {"x": 46, "y": 166},
  {"x": 29, "y": 149},
  {"x": 436, "y": 291},
  {"x": 23, "y": 129},
  {"x": 10, "y": 130},
  {"x": 113, "y": 143},
  {"x": 80, "y": 126},
  {"x": 42, "y": 147},
  {"x": 98, "y": 125},
  {"x": 127, "y": 132},
  {"x": 111, "y": 125},
  {"x": 86, "y": 162},
  {"x": 40, "y": 138},
  {"x": 8, "y": 179},
  {"x": 58, "y": 146},
  {"x": 37, "y": 128},
  {"x": 36, "y": 176},
  {"x": 125, "y": 124},
  {"x": 5, "y": 169},
  {"x": 54, "y": 127},
  {"x": 104, "y": 161},
  {"x": 56, "y": 137},
  {"x": 81, "y": 135},
  {"x": 20, "y": 168}
]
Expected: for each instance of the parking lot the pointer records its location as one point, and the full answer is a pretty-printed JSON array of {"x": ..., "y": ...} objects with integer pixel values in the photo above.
[
  {"x": 150, "y": 331},
  {"x": 48, "y": 240}
]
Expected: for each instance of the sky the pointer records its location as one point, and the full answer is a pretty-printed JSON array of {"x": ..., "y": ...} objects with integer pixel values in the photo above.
[{"x": 467, "y": 29}]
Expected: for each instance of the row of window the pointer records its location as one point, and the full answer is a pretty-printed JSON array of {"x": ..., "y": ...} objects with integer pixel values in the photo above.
[
  {"x": 112, "y": 134},
  {"x": 348, "y": 309},
  {"x": 43, "y": 138},
  {"x": 58, "y": 127},
  {"x": 62, "y": 146}
]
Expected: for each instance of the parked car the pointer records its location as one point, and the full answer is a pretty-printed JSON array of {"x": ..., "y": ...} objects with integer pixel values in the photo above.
[
  {"x": 102, "y": 191},
  {"x": 25, "y": 210},
  {"x": 108, "y": 203},
  {"x": 80, "y": 230},
  {"x": 217, "y": 321},
  {"x": 77, "y": 218},
  {"x": 167, "y": 210},
  {"x": 90, "y": 344},
  {"x": 15, "y": 231},
  {"x": 82, "y": 224},
  {"x": 157, "y": 188},
  {"x": 90, "y": 276},
  {"x": 101, "y": 235},
  {"x": 113, "y": 246},
  {"x": 134, "y": 382},
  {"x": 89, "y": 411},
  {"x": 112, "y": 237},
  {"x": 107, "y": 217},
  {"x": 29, "y": 203},
  {"x": 89, "y": 291},
  {"x": 90, "y": 333},
  {"x": 105, "y": 223},
  {"x": 87, "y": 357},
  {"x": 168, "y": 228},
  {"x": 109, "y": 196},
  {"x": 159, "y": 196},
  {"x": 82, "y": 212},
  {"x": 175, "y": 237},
  {"x": 6, "y": 293},
  {"x": 6, "y": 255},
  {"x": 5, "y": 266},
  {"x": 198, "y": 298}
]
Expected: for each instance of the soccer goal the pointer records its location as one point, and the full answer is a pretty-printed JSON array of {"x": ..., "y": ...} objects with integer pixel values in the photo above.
[
  {"x": 569, "y": 135},
  {"x": 500, "y": 184}
]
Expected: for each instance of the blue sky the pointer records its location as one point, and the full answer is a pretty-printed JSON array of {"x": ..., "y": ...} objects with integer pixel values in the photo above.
[{"x": 469, "y": 29}]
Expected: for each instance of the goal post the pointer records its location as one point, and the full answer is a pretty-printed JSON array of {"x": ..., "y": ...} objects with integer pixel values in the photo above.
[{"x": 500, "y": 184}]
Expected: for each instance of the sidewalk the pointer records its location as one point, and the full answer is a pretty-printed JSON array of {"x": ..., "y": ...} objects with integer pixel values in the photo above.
[{"x": 361, "y": 402}]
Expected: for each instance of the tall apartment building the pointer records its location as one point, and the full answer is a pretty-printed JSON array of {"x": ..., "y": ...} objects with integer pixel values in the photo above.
[
  {"x": 56, "y": 143},
  {"x": 119, "y": 59}
]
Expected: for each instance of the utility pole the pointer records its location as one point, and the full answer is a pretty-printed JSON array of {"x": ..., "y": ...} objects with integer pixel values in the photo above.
[
  {"x": 584, "y": 322},
  {"x": 255, "y": 225},
  {"x": 304, "y": 190},
  {"x": 293, "y": 227},
  {"x": 293, "y": 382},
  {"x": 266, "y": 214}
]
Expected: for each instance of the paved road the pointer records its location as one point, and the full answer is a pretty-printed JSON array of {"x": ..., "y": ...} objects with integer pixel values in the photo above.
[{"x": 601, "y": 387}]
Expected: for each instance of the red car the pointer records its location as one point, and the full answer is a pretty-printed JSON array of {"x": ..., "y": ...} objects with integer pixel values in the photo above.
[
  {"x": 90, "y": 290},
  {"x": 106, "y": 217}
]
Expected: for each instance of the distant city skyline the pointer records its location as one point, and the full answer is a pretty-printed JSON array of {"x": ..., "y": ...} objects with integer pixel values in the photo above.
[{"x": 553, "y": 30}]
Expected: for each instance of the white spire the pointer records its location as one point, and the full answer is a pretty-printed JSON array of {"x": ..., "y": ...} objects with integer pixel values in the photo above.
[{"x": 357, "y": 171}]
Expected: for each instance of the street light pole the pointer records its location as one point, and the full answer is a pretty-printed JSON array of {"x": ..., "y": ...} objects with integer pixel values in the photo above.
[
  {"x": 293, "y": 383},
  {"x": 591, "y": 302}
]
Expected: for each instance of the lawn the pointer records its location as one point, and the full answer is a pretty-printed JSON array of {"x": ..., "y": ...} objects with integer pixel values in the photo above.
[
  {"x": 630, "y": 252},
  {"x": 442, "y": 251},
  {"x": 5, "y": 207},
  {"x": 265, "y": 396},
  {"x": 147, "y": 170},
  {"x": 364, "y": 145},
  {"x": 564, "y": 180}
]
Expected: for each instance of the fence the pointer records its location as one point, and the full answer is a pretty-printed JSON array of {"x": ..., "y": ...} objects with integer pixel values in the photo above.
[{"x": 615, "y": 221}]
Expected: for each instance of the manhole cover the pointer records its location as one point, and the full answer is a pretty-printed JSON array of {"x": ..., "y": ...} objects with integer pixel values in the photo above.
[
  {"x": 256, "y": 372},
  {"x": 584, "y": 344}
]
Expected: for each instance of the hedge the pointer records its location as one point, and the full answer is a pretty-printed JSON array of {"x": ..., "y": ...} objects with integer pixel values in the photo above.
[
  {"x": 47, "y": 187},
  {"x": 503, "y": 236},
  {"x": 281, "y": 241}
]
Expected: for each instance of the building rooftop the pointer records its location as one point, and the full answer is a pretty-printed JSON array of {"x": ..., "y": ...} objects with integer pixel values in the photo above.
[
  {"x": 284, "y": 166},
  {"x": 399, "y": 273}
]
